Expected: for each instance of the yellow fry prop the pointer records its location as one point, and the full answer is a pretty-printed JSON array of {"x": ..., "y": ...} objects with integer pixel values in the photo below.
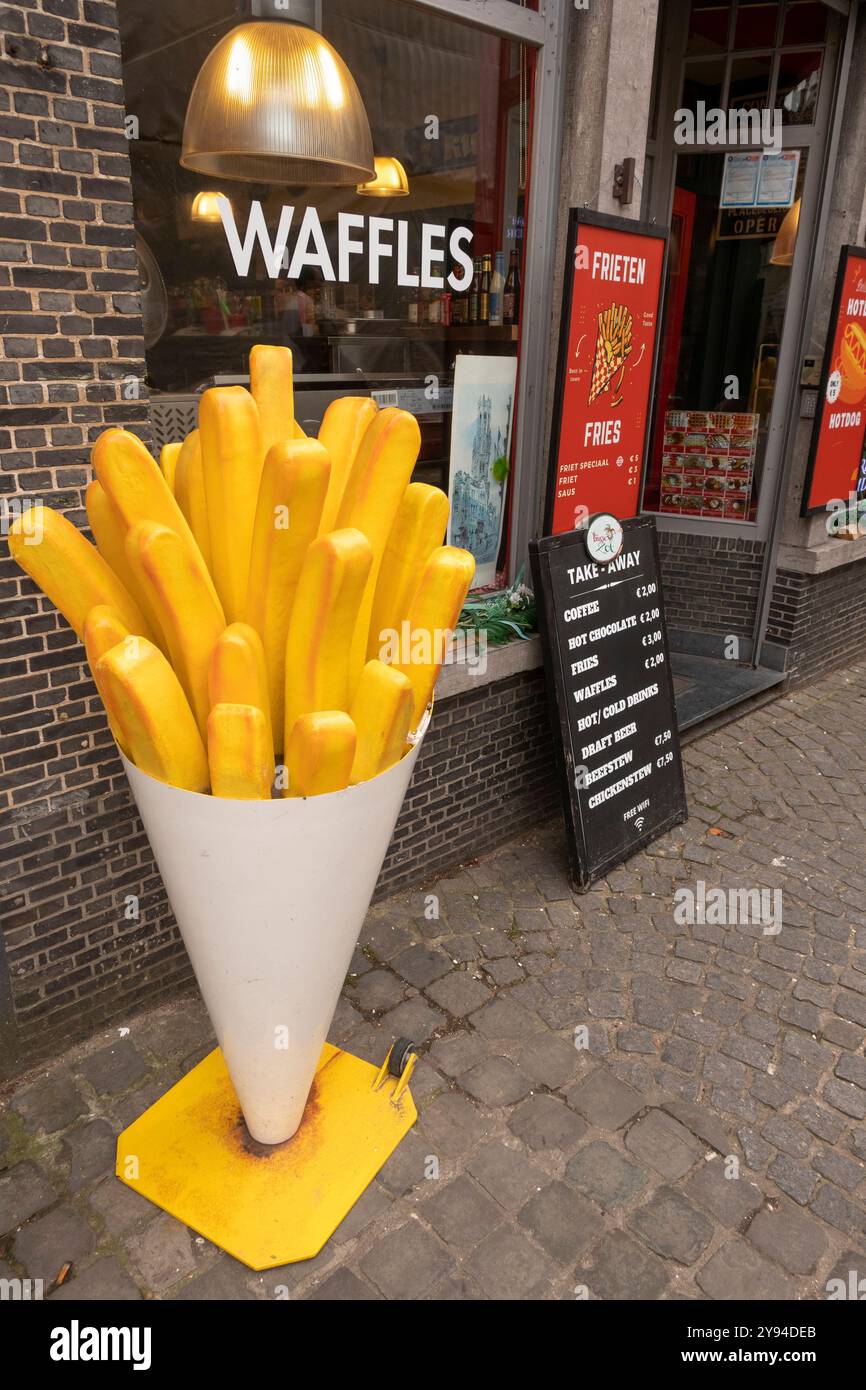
[
  {"x": 240, "y": 752},
  {"x": 432, "y": 616},
  {"x": 325, "y": 611},
  {"x": 382, "y": 714},
  {"x": 145, "y": 699},
  {"x": 291, "y": 496},
  {"x": 320, "y": 753},
  {"x": 69, "y": 570}
]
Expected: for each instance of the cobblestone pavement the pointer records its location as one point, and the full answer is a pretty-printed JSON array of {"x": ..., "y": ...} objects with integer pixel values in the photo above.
[{"x": 539, "y": 1169}]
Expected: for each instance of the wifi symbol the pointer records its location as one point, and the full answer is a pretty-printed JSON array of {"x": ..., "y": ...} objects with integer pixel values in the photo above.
[{"x": 638, "y": 825}]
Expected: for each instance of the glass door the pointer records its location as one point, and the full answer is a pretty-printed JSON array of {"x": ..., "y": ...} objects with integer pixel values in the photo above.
[{"x": 744, "y": 95}]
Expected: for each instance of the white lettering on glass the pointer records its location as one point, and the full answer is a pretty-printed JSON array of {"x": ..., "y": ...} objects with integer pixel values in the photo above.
[{"x": 311, "y": 249}]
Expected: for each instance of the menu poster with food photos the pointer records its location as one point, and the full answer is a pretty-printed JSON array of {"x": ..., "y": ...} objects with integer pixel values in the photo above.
[
  {"x": 608, "y": 348},
  {"x": 840, "y": 419},
  {"x": 708, "y": 463}
]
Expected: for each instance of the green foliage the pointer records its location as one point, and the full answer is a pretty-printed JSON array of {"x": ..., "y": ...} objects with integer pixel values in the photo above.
[{"x": 503, "y": 615}]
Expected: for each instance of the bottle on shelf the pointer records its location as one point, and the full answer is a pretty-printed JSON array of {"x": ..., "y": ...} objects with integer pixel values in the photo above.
[
  {"x": 475, "y": 291},
  {"x": 484, "y": 290},
  {"x": 412, "y": 306},
  {"x": 497, "y": 287},
  {"x": 460, "y": 307},
  {"x": 511, "y": 295}
]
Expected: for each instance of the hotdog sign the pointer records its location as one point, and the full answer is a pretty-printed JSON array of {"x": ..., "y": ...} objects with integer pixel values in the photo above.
[{"x": 840, "y": 420}]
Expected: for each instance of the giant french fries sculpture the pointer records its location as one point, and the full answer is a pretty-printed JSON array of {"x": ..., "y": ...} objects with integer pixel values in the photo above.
[
  {"x": 237, "y": 673},
  {"x": 234, "y": 617},
  {"x": 240, "y": 752},
  {"x": 69, "y": 570},
  {"x": 289, "y": 575},
  {"x": 291, "y": 495},
  {"x": 109, "y": 532},
  {"x": 382, "y": 714},
  {"x": 344, "y": 425},
  {"x": 419, "y": 527},
  {"x": 271, "y": 377},
  {"x": 320, "y": 753},
  {"x": 144, "y": 698},
  {"x": 231, "y": 455},
  {"x": 378, "y": 480},
  {"x": 432, "y": 615},
  {"x": 103, "y": 629},
  {"x": 189, "y": 491},
  {"x": 324, "y": 617},
  {"x": 188, "y": 614}
]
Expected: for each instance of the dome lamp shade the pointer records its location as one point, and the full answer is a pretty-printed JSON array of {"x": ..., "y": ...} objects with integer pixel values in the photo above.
[
  {"x": 275, "y": 103},
  {"x": 390, "y": 180},
  {"x": 205, "y": 206}
]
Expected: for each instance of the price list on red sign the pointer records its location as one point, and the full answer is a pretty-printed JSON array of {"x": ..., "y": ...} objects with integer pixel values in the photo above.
[
  {"x": 611, "y": 691},
  {"x": 605, "y": 369}
]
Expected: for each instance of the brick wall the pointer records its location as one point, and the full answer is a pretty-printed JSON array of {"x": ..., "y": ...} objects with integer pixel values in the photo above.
[
  {"x": 820, "y": 618},
  {"x": 710, "y": 582},
  {"x": 71, "y": 332},
  {"x": 71, "y": 956},
  {"x": 486, "y": 772}
]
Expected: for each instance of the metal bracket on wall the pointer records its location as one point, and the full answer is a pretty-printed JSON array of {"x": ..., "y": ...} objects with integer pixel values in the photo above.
[
  {"x": 623, "y": 181},
  {"x": 295, "y": 11}
]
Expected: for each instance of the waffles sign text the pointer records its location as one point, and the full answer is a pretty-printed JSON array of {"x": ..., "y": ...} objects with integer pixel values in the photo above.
[
  {"x": 607, "y": 354},
  {"x": 362, "y": 245}
]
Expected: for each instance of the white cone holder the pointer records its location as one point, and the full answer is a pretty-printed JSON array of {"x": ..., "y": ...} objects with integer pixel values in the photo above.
[{"x": 270, "y": 898}]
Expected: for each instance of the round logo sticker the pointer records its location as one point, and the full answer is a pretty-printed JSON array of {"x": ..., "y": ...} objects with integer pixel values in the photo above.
[{"x": 604, "y": 538}]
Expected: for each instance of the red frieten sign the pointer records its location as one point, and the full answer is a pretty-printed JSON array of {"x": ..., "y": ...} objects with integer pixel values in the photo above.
[{"x": 607, "y": 359}]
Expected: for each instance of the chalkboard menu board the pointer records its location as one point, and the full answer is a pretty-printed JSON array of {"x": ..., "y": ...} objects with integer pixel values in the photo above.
[{"x": 611, "y": 695}]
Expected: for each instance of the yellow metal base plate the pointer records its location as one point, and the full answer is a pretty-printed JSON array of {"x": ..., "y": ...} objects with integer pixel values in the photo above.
[{"x": 192, "y": 1155}]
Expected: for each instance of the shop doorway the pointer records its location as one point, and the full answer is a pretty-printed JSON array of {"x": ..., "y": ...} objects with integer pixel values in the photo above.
[{"x": 744, "y": 101}]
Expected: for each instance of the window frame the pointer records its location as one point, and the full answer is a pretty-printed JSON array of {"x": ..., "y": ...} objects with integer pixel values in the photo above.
[
  {"x": 544, "y": 29},
  {"x": 815, "y": 138}
]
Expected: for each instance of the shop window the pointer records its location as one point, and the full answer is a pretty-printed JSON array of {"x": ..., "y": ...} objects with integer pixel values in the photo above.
[
  {"x": 709, "y": 25},
  {"x": 730, "y": 51},
  {"x": 805, "y": 22},
  {"x": 756, "y": 24},
  {"x": 452, "y": 103},
  {"x": 750, "y": 82},
  {"x": 704, "y": 81},
  {"x": 797, "y": 87},
  {"x": 729, "y": 272}
]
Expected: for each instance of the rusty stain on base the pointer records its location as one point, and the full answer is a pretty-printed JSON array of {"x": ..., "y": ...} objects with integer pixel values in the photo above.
[
  {"x": 265, "y": 1204},
  {"x": 253, "y": 1148}
]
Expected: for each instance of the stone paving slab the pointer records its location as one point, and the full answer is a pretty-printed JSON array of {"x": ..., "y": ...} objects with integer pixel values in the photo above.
[{"x": 654, "y": 1090}]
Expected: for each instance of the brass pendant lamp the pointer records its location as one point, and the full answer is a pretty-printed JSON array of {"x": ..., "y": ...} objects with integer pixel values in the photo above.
[
  {"x": 786, "y": 238},
  {"x": 205, "y": 206},
  {"x": 274, "y": 103},
  {"x": 390, "y": 180}
]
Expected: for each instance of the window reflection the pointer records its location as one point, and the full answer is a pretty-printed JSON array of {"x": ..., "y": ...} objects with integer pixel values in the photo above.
[
  {"x": 797, "y": 87},
  {"x": 452, "y": 104},
  {"x": 756, "y": 24},
  {"x": 729, "y": 273},
  {"x": 750, "y": 82}
]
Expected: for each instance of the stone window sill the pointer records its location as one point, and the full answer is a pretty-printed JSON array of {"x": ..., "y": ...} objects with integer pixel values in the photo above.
[{"x": 459, "y": 678}]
